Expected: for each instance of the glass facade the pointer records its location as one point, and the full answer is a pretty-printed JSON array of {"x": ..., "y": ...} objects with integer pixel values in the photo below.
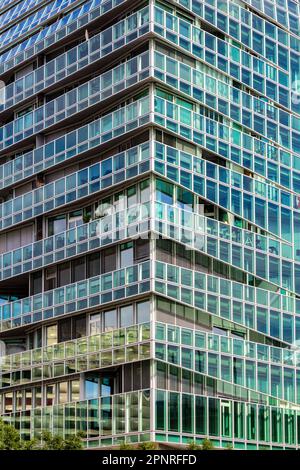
[{"x": 150, "y": 221}]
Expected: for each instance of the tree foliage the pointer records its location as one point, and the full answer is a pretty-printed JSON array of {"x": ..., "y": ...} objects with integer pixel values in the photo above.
[
  {"x": 50, "y": 442},
  {"x": 10, "y": 440}
]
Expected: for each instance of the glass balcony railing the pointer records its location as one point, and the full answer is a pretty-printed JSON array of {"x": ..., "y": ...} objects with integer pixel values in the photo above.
[
  {"x": 86, "y": 345},
  {"x": 274, "y": 125},
  {"x": 100, "y": 45},
  {"x": 90, "y": 293},
  {"x": 260, "y": 310},
  {"x": 270, "y": 313},
  {"x": 249, "y": 425},
  {"x": 265, "y": 369},
  {"x": 285, "y": 13},
  {"x": 232, "y": 144},
  {"x": 200, "y": 340},
  {"x": 240, "y": 65},
  {"x": 81, "y": 140},
  {"x": 113, "y": 227},
  {"x": 247, "y": 198},
  {"x": 109, "y": 415},
  {"x": 113, "y": 419},
  {"x": 107, "y": 349},
  {"x": 77, "y": 100},
  {"x": 111, "y": 171},
  {"x": 16, "y": 11},
  {"x": 46, "y": 75},
  {"x": 264, "y": 257},
  {"x": 77, "y": 186},
  {"x": 5, "y": 3},
  {"x": 216, "y": 94},
  {"x": 228, "y": 142},
  {"x": 231, "y": 245},
  {"x": 275, "y": 381},
  {"x": 32, "y": 21},
  {"x": 244, "y": 26}
]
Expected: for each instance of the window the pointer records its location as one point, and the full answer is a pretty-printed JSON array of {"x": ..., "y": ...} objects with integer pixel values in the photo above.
[
  {"x": 50, "y": 395},
  {"x": 75, "y": 219},
  {"x": 104, "y": 208},
  {"x": 143, "y": 312},
  {"x": 126, "y": 257},
  {"x": 184, "y": 199},
  {"x": 50, "y": 279},
  {"x": 8, "y": 402},
  {"x": 145, "y": 191},
  {"x": 91, "y": 387},
  {"x": 106, "y": 386},
  {"x": 24, "y": 112},
  {"x": 95, "y": 324},
  {"x": 38, "y": 338},
  {"x": 93, "y": 265},
  {"x": 36, "y": 283},
  {"x": 110, "y": 320},
  {"x": 164, "y": 192},
  {"x": 51, "y": 335},
  {"x": 56, "y": 225},
  {"x": 71, "y": 328},
  {"x": 126, "y": 316},
  {"x": 131, "y": 196},
  {"x": 37, "y": 397},
  {"x": 78, "y": 270},
  {"x": 63, "y": 392},
  {"x": 142, "y": 249},
  {"x": 64, "y": 274},
  {"x": 164, "y": 250},
  {"x": 75, "y": 390},
  {"x": 79, "y": 326},
  {"x": 65, "y": 330},
  {"x": 108, "y": 260}
]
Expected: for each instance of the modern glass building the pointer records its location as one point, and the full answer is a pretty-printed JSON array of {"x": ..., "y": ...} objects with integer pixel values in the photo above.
[{"x": 150, "y": 220}]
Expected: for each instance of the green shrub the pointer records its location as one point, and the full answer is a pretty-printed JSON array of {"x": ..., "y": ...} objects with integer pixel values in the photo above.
[
  {"x": 207, "y": 445},
  {"x": 126, "y": 446},
  {"x": 193, "y": 446},
  {"x": 148, "y": 446}
]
